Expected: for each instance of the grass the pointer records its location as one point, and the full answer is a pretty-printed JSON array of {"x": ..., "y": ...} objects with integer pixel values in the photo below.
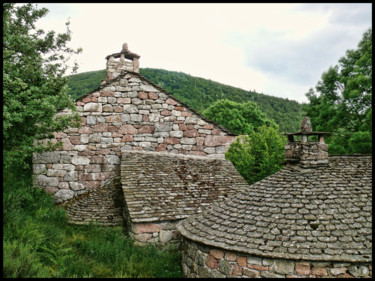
[{"x": 38, "y": 242}]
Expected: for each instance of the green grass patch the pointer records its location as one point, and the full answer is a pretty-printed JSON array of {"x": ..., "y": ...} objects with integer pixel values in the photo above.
[{"x": 38, "y": 241}]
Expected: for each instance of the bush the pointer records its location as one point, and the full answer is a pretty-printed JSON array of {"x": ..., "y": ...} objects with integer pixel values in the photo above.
[{"x": 257, "y": 155}]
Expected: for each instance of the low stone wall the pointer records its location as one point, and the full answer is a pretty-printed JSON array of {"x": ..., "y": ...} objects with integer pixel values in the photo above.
[
  {"x": 162, "y": 234},
  {"x": 201, "y": 261},
  {"x": 103, "y": 206}
]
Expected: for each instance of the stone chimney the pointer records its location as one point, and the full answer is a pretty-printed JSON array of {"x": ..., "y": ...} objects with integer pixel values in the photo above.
[
  {"x": 124, "y": 60},
  {"x": 306, "y": 153}
]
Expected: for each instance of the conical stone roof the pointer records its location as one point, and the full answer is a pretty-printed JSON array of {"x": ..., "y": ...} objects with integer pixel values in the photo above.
[{"x": 323, "y": 213}]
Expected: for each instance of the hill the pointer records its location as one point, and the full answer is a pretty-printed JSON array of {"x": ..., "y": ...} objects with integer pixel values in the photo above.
[{"x": 200, "y": 93}]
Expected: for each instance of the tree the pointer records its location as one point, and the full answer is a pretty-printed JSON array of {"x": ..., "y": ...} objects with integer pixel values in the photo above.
[
  {"x": 34, "y": 88},
  {"x": 240, "y": 118},
  {"x": 343, "y": 106},
  {"x": 257, "y": 155}
]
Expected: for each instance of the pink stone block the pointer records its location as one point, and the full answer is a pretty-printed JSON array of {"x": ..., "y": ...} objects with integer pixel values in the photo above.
[
  {"x": 170, "y": 101},
  {"x": 237, "y": 270},
  {"x": 217, "y": 254},
  {"x": 142, "y": 95},
  {"x": 211, "y": 262},
  {"x": 321, "y": 271},
  {"x": 241, "y": 261},
  {"x": 147, "y": 129},
  {"x": 128, "y": 129},
  {"x": 153, "y": 96},
  {"x": 302, "y": 268},
  {"x": 146, "y": 228},
  {"x": 191, "y": 133},
  {"x": 218, "y": 140}
]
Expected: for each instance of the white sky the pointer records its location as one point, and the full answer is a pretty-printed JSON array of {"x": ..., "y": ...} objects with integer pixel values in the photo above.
[{"x": 275, "y": 49}]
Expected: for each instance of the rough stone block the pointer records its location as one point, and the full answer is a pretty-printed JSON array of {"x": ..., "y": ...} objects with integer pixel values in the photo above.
[
  {"x": 282, "y": 267},
  {"x": 92, "y": 107},
  {"x": 146, "y": 228},
  {"x": 43, "y": 180},
  {"x": 76, "y": 186},
  {"x": 130, "y": 108},
  {"x": 63, "y": 195},
  {"x": 80, "y": 160},
  {"x": 217, "y": 254}
]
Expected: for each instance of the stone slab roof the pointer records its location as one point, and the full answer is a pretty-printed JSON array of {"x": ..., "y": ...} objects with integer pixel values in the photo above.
[
  {"x": 323, "y": 213},
  {"x": 160, "y": 186}
]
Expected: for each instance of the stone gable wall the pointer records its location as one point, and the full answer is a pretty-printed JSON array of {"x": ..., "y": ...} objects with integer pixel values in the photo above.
[
  {"x": 202, "y": 261},
  {"x": 127, "y": 113}
]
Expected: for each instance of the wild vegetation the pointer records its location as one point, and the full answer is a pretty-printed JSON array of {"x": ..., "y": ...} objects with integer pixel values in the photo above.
[{"x": 342, "y": 103}]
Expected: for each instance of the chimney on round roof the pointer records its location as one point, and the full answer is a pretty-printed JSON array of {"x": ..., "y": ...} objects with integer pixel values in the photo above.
[
  {"x": 128, "y": 61},
  {"x": 306, "y": 153}
]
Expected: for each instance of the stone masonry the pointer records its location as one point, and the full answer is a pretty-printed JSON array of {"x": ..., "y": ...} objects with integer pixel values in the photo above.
[
  {"x": 126, "y": 113},
  {"x": 202, "y": 261}
]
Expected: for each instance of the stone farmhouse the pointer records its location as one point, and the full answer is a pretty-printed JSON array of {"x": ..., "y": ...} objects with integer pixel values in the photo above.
[
  {"x": 311, "y": 219},
  {"x": 140, "y": 156}
]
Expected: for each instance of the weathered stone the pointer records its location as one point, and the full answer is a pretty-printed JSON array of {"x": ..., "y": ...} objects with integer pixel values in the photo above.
[
  {"x": 128, "y": 129},
  {"x": 254, "y": 260},
  {"x": 55, "y": 173},
  {"x": 80, "y": 160},
  {"x": 321, "y": 271},
  {"x": 337, "y": 270},
  {"x": 76, "y": 186},
  {"x": 251, "y": 273},
  {"x": 302, "y": 268},
  {"x": 71, "y": 176},
  {"x": 211, "y": 262},
  {"x": 224, "y": 267},
  {"x": 217, "y": 254},
  {"x": 230, "y": 256},
  {"x": 163, "y": 127},
  {"x": 216, "y": 274},
  {"x": 358, "y": 270},
  {"x": 187, "y": 141},
  {"x": 39, "y": 169},
  {"x": 282, "y": 267},
  {"x": 241, "y": 261},
  {"x": 130, "y": 108},
  {"x": 146, "y": 228},
  {"x": 92, "y": 107},
  {"x": 143, "y": 237},
  {"x": 113, "y": 159},
  {"x": 43, "y": 180},
  {"x": 218, "y": 140},
  {"x": 63, "y": 195}
]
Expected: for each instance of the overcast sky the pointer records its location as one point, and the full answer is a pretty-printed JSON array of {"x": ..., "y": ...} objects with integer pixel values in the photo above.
[{"x": 275, "y": 49}]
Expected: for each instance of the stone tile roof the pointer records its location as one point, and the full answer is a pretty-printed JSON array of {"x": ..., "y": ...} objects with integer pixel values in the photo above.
[
  {"x": 312, "y": 214},
  {"x": 160, "y": 186}
]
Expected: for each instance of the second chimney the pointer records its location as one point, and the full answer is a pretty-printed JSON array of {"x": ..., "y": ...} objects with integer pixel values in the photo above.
[
  {"x": 305, "y": 153},
  {"x": 127, "y": 61}
]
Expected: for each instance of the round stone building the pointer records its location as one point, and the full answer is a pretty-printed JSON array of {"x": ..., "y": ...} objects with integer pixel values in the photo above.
[{"x": 311, "y": 219}]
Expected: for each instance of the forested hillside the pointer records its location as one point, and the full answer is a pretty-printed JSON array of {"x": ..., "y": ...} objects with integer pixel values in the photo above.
[{"x": 200, "y": 93}]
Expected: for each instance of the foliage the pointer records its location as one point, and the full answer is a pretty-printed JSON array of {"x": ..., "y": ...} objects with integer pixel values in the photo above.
[
  {"x": 257, "y": 155},
  {"x": 83, "y": 83},
  {"x": 343, "y": 106},
  {"x": 33, "y": 84},
  {"x": 39, "y": 243},
  {"x": 240, "y": 118},
  {"x": 199, "y": 94}
]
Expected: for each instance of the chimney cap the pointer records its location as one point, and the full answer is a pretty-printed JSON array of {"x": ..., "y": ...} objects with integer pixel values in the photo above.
[
  {"x": 129, "y": 55},
  {"x": 306, "y": 129}
]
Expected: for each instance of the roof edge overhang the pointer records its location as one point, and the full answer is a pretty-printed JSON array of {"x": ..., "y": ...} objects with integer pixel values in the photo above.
[{"x": 275, "y": 255}]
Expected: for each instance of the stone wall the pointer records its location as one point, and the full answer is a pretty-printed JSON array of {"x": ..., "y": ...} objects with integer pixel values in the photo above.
[
  {"x": 126, "y": 113},
  {"x": 102, "y": 206},
  {"x": 201, "y": 261},
  {"x": 161, "y": 234}
]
